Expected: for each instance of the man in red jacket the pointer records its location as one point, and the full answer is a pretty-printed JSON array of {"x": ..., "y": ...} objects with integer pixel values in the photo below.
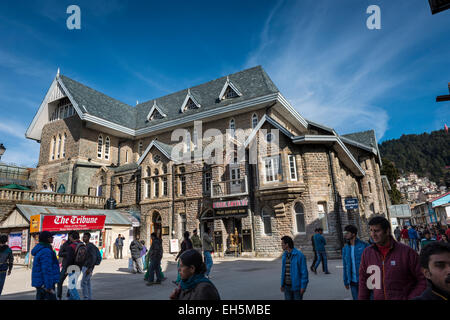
[
  {"x": 391, "y": 270},
  {"x": 404, "y": 235}
]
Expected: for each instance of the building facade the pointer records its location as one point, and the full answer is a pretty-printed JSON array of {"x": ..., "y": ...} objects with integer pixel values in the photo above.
[{"x": 258, "y": 169}]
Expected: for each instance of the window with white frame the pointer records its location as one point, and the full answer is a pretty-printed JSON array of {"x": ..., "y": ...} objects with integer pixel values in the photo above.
[
  {"x": 59, "y": 147},
  {"x": 230, "y": 93},
  {"x": 254, "y": 120},
  {"x": 182, "y": 179},
  {"x": 195, "y": 138},
  {"x": 272, "y": 172},
  {"x": 100, "y": 146},
  {"x": 267, "y": 222},
  {"x": 322, "y": 215},
  {"x": 232, "y": 127},
  {"x": 107, "y": 147},
  {"x": 292, "y": 168},
  {"x": 63, "y": 110},
  {"x": 64, "y": 145},
  {"x": 156, "y": 184},
  {"x": 165, "y": 187},
  {"x": 52, "y": 148},
  {"x": 207, "y": 182},
  {"x": 300, "y": 218}
]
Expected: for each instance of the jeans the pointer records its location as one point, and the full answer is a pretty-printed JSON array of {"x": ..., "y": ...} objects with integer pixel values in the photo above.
[
  {"x": 289, "y": 294},
  {"x": 322, "y": 257},
  {"x": 119, "y": 252},
  {"x": 208, "y": 262},
  {"x": 2, "y": 280},
  {"x": 72, "y": 283},
  {"x": 86, "y": 284},
  {"x": 413, "y": 244},
  {"x": 41, "y": 294},
  {"x": 354, "y": 287},
  {"x": 155, "y": 268},
  {"x": 62, "y": 277}
]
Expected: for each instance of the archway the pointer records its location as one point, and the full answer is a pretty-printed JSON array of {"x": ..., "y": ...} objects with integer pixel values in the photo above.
[{"x": 156, "y": 224}]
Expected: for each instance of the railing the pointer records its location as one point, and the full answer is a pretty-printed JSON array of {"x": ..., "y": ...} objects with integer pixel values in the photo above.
[
  {"x": 22, "y": 195},
  {"x": 229, "y": 188}
]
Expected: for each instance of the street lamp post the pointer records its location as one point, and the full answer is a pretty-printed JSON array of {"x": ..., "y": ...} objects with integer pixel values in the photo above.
[{"x": 2, "y": 150}]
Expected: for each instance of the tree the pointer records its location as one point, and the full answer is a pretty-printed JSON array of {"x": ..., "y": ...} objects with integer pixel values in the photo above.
[{"x": 390, "y": 171}]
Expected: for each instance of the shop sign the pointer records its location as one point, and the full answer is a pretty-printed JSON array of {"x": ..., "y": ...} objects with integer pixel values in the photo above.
[
  {"x": 68, "y": 223},
  {"x": 25, "y": 240},
  {"x": 230, "y": 204},
  {"x": 35, "y": 223},
  {"x": 351, "y": 203},
  {"x": 231, "y": 212},
  {"x": 15, "y": 241}
]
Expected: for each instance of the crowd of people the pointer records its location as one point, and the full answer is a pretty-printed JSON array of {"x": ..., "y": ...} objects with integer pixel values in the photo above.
[{"x": 412, "y": 264}]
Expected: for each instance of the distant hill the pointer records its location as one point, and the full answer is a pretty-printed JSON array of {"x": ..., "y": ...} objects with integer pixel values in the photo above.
[{"x": 426, "y": 154}]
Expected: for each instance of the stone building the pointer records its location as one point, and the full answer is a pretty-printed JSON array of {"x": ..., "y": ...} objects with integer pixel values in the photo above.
[{"x": 278, "y": 174}]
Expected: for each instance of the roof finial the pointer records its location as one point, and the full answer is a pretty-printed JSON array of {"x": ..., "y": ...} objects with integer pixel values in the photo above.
[
  {"x": 189, "y": 91},
  {"x": 57, "y": 73},
  {"x": 137, "y": 102},
  {"x": 228, "y": 79}
]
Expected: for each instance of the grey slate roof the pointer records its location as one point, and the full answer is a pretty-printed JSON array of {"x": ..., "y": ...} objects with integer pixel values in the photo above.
[
  {"x": 125, "y": 167},
  {"x": 99, "y": 104},
  {"x": 365, "y": 137},
  {"x": 113, "y": 217},
  {"x": 252, "y": 83}
]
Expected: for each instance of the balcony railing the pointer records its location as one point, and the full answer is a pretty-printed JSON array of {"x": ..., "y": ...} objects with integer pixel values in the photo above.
[
  {"x": 22, "y": 195},
  {"x": 229, "y": 188}
]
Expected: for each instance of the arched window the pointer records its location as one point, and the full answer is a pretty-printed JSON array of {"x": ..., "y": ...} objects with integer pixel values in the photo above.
[
  {"x": 266, "y": 217},
  {"x": 52, "y": 148},
  {"x": 148, "y": 172},
  {"x": 64, "y": 145},
  {"x": 100, "y": 146},
  {"x": 254, "y": 120},
  {"x": 232, "y": 127},
  {"x": 107, "y": 145},
  {"x": 156, "y": 184},
  {"x": 59, "y": 147},
  {"x": 300, "y": 218}
]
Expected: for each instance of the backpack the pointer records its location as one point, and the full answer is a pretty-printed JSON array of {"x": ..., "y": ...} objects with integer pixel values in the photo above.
[
  {"x": 98, "y": 256},
  {"x": 80, "y": 254}
]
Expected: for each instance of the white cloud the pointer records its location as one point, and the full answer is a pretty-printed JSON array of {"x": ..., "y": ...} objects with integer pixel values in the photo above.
[
  {"x": 19, "y": 150},
  {"x": 330, "y": 67}
]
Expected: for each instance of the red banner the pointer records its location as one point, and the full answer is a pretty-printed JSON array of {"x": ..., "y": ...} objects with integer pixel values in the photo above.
[
  {"x": 67, "y": 223},
  {"x": 230, "y": 204}
]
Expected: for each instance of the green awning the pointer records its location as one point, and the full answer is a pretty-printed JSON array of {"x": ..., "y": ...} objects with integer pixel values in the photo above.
[{"x": 14, "y": 186}]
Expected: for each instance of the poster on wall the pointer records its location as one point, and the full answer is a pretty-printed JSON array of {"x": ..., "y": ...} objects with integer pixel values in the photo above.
[
  {"x": 15, "y": 241},
  {"x": 174, "y": 245},
  {"x": 58, "y": 240},
  {"x": 25, "y": 240}
]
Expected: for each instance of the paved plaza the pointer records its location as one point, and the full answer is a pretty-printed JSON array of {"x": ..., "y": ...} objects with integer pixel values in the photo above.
[{"x": 236, "y": 279}]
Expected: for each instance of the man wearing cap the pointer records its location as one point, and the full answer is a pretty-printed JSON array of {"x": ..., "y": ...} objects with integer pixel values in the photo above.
[{"x": 45, "y": 272}]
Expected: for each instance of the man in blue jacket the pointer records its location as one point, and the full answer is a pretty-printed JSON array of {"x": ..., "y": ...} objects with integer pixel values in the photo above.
[
  {"x": 45, "y": 272},
  {"x": 294, "y": 272},
  {"x": 351, "y": 258},
  {"x": 412, "y": 234},
  {"x": 319, "y": 242}
]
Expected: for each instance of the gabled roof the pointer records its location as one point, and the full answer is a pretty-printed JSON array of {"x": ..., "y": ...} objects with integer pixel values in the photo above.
[
  {"x": 265, "y": 118},
  {"x": 365, "y": 140},
  {"x": 228, "y": 84},
  {"x": 164, "y": 148},
  {"x": 155, "y": 108},
  {"x": 188, "y": 97}
]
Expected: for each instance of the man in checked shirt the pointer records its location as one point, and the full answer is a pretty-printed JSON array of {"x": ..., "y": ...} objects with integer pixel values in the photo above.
[{"x": 294, "y": 272}]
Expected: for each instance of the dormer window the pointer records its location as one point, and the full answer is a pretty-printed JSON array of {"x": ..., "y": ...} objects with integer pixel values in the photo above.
[
  {"x": 155, "y": 113},
  {"x": 190, "y": 103},
  {"x": 229, "y": 91},
  {"x": 63, "y": 110}
]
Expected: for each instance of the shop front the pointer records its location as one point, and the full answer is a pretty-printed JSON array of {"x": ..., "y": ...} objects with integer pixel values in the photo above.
[{"x": 231, "y": 225}]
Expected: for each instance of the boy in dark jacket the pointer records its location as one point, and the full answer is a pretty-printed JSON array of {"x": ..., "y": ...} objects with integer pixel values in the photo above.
[
  {"x": 45, "y": 272},
  {"x": 435, "y": 262},
  {"x": 155, "y": 254},
  {"x": 66, "y": 254},
  {"x": 319, "y": 243},
  {"x": 294, "y": 272},
  {"x": 135, "y": 249},
  {"x": 88, "y": 267},
  {"x": 389, "y": 268},
  {"x": 6, "y": 260}
]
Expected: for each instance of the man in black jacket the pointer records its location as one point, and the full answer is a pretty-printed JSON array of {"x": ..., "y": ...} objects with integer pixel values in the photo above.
[
  {"x": 315, "y": 253},
  {"x": 88, "y": 267},
  {"x": 66, "y": 253},
  {"x": 155, "y": 253},
  {"x": 136, "y": 248},
  {"x": 119, "y": 246},
  {"x": 6, "y": 260},
  {"x": 435, "y": 262}
]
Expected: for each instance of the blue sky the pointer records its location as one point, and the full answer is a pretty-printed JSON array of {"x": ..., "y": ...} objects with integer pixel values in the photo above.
[{"x": 319, "y": 53}]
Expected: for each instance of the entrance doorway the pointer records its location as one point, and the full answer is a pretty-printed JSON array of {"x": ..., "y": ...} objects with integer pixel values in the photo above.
[{"x": 156, "y": 224}]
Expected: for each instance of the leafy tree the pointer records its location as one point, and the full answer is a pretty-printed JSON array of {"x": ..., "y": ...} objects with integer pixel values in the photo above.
[{"x": 390, "y": 171}]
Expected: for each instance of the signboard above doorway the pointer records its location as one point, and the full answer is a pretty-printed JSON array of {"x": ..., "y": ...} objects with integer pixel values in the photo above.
[{"x": 230, "y": 204}]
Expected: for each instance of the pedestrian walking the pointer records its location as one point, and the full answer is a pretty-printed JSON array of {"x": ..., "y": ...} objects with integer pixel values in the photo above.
[
  {"x": 93, "y": 258},
  {"x": 393, "y": 269},
  {"x": 397, "y": 234},
  {"x": 155, "y": 255},
  {"x": 143, "y": 253},
  {"x": 6, "y": 261},
  {"x": 135, "y": 249},
  {"x": 186, "y": 244},
  {"x": 351, "y": 258},
  {"x": 294, "y": 271},
  {"x": 207, "y": 249},
  {"x": 427, "y": 239},
  {"x": 320, "y": 242},
  {"x": 194, "y": 285},
  {"x": 412, "y": 235},
  {"x": 119, "y": 246},
  {"x": 196, "y": 241},
  {"x": 66, "y": 257},
  {"x": 78, "y": 254},
  {"x": 314, "y": 250},
  {"x": 435, "y": 262},
  {"x": 404, "y": 235},
  {"x": 45, "y": 271}
]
